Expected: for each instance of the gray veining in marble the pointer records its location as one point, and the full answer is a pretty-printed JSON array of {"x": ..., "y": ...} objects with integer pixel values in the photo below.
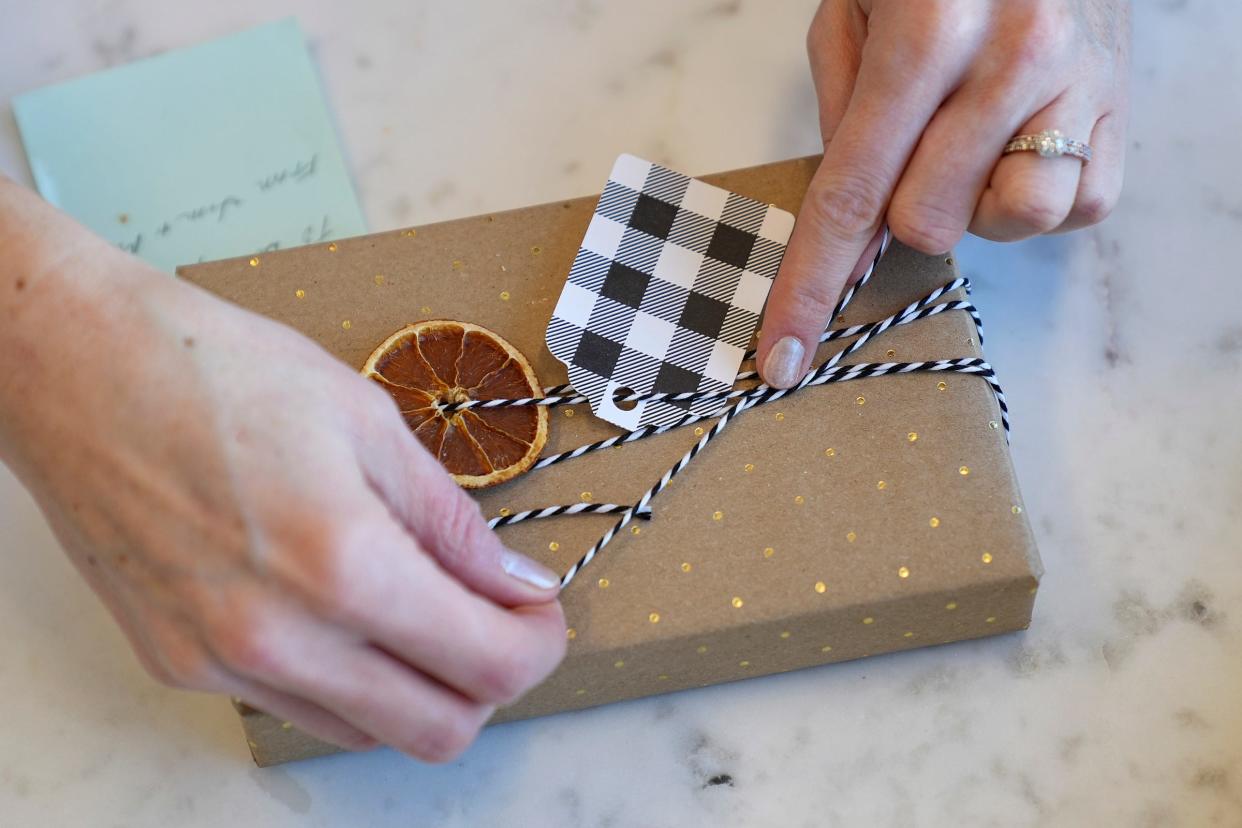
[{"x": 1121, "y": 349}]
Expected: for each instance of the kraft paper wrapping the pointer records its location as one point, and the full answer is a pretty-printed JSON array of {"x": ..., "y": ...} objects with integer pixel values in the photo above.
[{"x": 844, "y": 521}]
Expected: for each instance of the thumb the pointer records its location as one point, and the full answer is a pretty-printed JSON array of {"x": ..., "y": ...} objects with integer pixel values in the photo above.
[{"x": 447, "y": 522}]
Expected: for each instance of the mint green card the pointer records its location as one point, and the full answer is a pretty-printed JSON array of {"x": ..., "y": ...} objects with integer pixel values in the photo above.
[{"x": 218, "y": 150}]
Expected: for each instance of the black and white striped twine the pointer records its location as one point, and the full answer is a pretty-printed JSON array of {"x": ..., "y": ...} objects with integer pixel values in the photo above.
[{"x": 744, "y": 398}]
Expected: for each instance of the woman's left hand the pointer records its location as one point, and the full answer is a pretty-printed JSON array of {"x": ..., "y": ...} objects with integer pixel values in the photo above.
[{"x": 917, "y": 101}]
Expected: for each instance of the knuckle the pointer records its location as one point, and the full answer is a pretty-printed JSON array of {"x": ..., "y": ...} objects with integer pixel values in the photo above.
[
  {"x": 338, "y": 593},
  {"x": 184, "y": 667},
  {"x": 247, "y": 645},
  {"x": 445, "y": 738},
  {"x": 322, "y": 569},
  {"x": 506, "y": 675},
  {"x": 853, "y": 204},
  {"x": 942, "y": 33},
  {"x": 462, "y": 523},
  {"x": 1092, "y": 208},
  {"x": 811, "y": 300},
  {"x": 928, "y": 228},
  {"x": 1042, "y": 35},
  {"x": 1030, "y": 210}
]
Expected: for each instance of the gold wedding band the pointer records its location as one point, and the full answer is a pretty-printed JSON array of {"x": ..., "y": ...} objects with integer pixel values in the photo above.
[{"x": 1050, "y": 144}]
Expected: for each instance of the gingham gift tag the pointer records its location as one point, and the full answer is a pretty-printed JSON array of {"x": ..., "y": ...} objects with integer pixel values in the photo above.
[{"x": 665, "y": 292}]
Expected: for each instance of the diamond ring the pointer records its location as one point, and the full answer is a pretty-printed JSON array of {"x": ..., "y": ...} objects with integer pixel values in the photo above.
[{"x": 1050, "y": 143}]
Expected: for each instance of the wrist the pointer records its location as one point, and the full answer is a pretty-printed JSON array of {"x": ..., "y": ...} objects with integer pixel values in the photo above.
[{"x": 62, "y": 298}]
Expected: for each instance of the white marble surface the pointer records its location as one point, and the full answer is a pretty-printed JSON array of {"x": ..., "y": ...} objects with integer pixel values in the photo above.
[{"x": 1121, "y": 349}]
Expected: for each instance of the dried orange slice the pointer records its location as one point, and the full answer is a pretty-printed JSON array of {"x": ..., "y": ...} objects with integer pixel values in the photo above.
[{"x": 429, "y": 364}]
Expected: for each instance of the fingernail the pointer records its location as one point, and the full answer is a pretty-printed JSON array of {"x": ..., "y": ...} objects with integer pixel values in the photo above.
[
  {"x": 528, "y": 571},
  {"x": 784, "y": 363}
]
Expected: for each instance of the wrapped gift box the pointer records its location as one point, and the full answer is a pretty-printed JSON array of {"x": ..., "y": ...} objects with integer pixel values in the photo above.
[{"x": 846, "y": 520}]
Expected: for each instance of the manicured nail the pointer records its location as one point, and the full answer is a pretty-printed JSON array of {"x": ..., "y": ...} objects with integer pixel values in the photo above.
[
  {"x": 783, "y": 366},
  {"x": 528, "y": 571}
]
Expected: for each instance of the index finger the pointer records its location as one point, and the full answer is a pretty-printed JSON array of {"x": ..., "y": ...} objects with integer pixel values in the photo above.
[{"x": 845, "y": 202}]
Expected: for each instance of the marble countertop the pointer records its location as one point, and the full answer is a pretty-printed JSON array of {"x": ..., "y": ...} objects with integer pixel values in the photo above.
[{"x": 1121, "y": 349}]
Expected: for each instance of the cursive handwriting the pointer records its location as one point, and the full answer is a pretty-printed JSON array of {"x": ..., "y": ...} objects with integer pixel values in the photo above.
[
  {"x": 300, "y": 171},
  {"x": 219, "y": 209},
  {"x": 228, "y": 206}
]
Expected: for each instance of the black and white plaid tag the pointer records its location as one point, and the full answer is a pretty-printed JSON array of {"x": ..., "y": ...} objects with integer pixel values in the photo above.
[{"x": 665, "y": 293}]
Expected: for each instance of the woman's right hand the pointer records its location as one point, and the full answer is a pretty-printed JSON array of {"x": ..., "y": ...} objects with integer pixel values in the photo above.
[{"x": 256, "y": 516}]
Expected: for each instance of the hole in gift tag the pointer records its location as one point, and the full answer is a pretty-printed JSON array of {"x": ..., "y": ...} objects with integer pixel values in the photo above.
[{"x": 621, "y": 403}]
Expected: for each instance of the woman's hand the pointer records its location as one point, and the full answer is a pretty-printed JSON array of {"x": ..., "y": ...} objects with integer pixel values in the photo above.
[
  {"x": 256, "y": 516},
  {"x": 917, "y": 101}
]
